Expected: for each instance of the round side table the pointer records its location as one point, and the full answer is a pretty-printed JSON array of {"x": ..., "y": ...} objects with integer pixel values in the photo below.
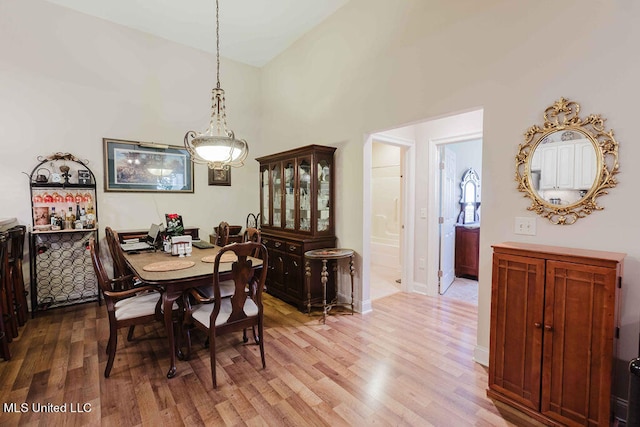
[{"x": 326, "y": 255}]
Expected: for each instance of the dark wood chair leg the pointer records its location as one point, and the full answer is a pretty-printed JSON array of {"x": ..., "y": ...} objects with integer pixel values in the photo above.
[{"x": 111, "y": 349}]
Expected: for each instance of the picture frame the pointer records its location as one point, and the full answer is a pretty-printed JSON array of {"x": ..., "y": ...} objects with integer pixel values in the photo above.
[
  {"x": 84, "y": 177},
  {"x": 132, "y": 166},
  {"x": 220, "y": 176}
]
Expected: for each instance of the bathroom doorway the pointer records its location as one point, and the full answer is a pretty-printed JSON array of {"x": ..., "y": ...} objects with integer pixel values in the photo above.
[{"x": 386, "y": 218}]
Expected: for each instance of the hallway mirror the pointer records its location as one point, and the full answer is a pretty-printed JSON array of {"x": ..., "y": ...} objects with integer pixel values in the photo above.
[
  {"x": 566, "y": 163},
  {"x": 470, "y": 199}
]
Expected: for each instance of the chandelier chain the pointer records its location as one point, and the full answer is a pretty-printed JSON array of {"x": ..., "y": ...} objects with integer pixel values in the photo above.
[{"x": 217, "y": 46}]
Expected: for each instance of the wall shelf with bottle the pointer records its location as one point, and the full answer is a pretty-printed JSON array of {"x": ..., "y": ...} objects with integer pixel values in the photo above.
[{"x": 65, "y": 216}]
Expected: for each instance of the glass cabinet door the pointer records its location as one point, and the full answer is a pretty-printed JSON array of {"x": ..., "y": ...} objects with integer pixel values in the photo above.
[
  {"x": 304, "y": 180},
  {"x": 276, "y": 181},
  {"x": 324, "y": 195},
  {"x": 289, "y": 198},
  {"x": 264, "y": 190}
]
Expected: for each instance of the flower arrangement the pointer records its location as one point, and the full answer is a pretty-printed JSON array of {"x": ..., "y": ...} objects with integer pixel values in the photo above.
[{"x": 174, "y": 225}]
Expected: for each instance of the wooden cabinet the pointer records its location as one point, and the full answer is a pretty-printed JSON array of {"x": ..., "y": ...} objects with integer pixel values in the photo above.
[
  {"x": 467, "y": 251},
  {"x": 553, "y": 328},
  {"x": 296, "y": 215}
]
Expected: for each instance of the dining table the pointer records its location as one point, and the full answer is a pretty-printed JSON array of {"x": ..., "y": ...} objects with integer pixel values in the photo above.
[{"x": 177, "y": 274}]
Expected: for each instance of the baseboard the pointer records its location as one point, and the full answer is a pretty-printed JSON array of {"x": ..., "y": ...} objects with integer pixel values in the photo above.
[
  {"x": 481, "y": 355},
  {"x": 620, "y": 408}
]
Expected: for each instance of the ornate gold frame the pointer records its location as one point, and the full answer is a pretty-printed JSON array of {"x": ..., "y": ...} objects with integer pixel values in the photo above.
[{"x": 563, "y": 115}]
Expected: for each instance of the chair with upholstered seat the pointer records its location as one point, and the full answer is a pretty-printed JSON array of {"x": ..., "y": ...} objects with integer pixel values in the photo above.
[
  {"x": 120, "y": 267},
  {"x": 16, "y": 237},
  {"x": 222, "y": 234},
  {"x": 4, "y": 333},
  {"x": 252, "y": 234},
  {"x": 127, "y": 307},
  {"x": 240, "y": 311}
]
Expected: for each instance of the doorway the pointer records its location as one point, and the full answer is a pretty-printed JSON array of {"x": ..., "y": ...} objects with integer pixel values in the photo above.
[
  {"x": 386, "y": 214},
  {"x": 454, "y": 160}
]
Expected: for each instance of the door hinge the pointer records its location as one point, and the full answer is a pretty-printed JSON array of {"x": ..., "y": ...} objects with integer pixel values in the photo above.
[
  {"x": 617, "y": 332},
  {"x": 441, "y": 220},
  {"x": 440, "y": 273},
  {"x": 620, "y": 282},
  {"x": 442, "y": 165}
]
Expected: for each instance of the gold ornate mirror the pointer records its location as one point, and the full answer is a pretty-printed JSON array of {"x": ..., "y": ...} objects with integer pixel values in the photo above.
[{"x": 567, "y": 163}]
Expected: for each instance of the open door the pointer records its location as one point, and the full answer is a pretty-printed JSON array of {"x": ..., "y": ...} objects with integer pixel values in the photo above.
[{"x": 447, "y": 218}]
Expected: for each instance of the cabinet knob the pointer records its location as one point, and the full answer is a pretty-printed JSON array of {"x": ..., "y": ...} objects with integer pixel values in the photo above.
[
  {"x": 537, "y": 325},
  {"x": 277, "y": 244},
  {"x": 548, "y": 328}
]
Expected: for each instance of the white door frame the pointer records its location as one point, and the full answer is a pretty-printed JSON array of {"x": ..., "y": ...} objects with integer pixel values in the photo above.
[
  {"x": 433, "y": 241},
  {"x": 408, "y": 214}
]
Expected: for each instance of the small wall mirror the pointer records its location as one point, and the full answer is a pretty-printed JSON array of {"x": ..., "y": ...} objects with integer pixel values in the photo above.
[
  {"x": 566, "y": 163},
  {"x": 470, "y": 199}
]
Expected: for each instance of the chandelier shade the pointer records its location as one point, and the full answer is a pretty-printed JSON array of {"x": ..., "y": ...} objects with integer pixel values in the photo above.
[{"x": 217, "y": 146}]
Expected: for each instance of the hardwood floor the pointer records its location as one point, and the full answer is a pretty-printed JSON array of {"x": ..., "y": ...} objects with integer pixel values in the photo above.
[{"x": 407, "y": 363}]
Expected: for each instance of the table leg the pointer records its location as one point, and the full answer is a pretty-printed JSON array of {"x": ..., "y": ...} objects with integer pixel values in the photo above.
[
  {"x": 167, "y": 305},
  {"x": 352, "y": 271},
  {"x": 324, "y": 278}
]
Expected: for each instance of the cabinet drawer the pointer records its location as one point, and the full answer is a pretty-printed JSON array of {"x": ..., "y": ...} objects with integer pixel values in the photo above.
[
  {"x": 272, "y": 243},
  {"x": 293, "y": 248}
]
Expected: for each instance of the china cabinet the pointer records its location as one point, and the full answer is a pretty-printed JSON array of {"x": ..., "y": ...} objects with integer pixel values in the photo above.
[
  {"x": 64, "y": 210},
  {"x": 554, "y": 325},
  {"x": 296, "y": 216}
]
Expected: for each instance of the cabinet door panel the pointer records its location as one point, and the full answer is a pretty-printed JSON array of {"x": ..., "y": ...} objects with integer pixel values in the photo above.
[
  {"x": 578, "y": 343},
  {"x": 295, "y": 277},
  {"x": 517, "y": 301}
]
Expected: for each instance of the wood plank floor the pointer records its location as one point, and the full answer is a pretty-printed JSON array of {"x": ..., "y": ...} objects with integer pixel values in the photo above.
[{"x": 409, "y": 362}]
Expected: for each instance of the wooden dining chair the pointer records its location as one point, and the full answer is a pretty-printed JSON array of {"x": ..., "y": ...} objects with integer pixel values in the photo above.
[
  {"x": 222, "y": 234},
  {"x": 127, "y": 307},
  {"x": 120, "y": 267},
  {"x": 6, "y": 293},
  {"x": 4, "y": 333},
  {"x": 16, "y": 236},
  {"x": 252, "y": 234},
  {"x": 204, "y": 294},
  {"x": 242, "y": 310}
]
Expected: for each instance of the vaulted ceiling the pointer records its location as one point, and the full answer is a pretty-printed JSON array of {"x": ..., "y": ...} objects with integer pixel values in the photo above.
[{"x": 251, "y": 31}]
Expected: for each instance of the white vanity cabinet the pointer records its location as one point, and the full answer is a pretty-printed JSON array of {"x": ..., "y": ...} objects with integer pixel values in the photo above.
[
  {"x": 557, "y": 166},
  {"x": 585, "y": 165}
]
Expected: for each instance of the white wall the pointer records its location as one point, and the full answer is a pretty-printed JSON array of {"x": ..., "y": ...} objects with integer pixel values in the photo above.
[
  {"x": 67, "y": 80},
  {"x": 376, "y": 65}
]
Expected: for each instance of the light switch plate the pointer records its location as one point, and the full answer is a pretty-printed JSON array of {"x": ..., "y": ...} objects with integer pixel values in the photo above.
[{"x": 525, "y": 225}]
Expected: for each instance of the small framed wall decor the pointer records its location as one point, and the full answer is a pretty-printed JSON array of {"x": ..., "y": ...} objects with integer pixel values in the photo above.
[
  {"x": 84, "y": 177},
  {"x": 220, "y": 176}
]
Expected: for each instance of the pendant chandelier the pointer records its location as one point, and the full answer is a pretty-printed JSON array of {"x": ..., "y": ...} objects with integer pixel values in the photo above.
[{"x": 217, "y": 146}]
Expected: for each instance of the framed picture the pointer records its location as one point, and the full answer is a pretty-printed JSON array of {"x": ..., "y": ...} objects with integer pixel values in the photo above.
[
  {"x": 84, "y": 177},
  {"x": 146, "y": 167},
  {"x": 220, "y": 176}
]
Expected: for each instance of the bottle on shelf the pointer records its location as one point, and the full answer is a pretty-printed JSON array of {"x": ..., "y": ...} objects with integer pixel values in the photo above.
[
  {"x": 70, "y": 219},
  {"x": 52, "y": 216},
  {"x": 77, "y": 211}
]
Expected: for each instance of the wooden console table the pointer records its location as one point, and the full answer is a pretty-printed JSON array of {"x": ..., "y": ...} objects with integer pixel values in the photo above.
[{"x": 326, "y": 255}]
